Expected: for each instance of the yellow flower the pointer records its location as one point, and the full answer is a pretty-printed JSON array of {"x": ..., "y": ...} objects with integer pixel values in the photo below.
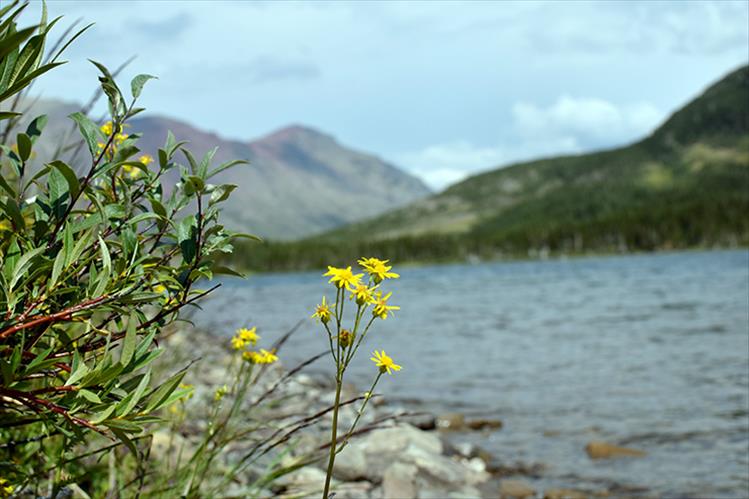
[
  {"x": 146, "y": 159},
  {"x": 378, "y": 269},
  {"x": 381, "y": 308},
  {"x": 248, "y": 335},
  {"x": 6, "y": 490},
  {"x": 132, "y": 171},
  {"x": 362, "y": 294},
  {"x": 343, "y": 278},
  {"x": 244, "y": 337},
  {"x": 261, "y": 357},
  {"x": 238, "y": 343},
  {"x": 106, "y": 129},
  {"x": 384, "y": 362},
  {"x": 119, "y": 138},
  {"x": 322, "y": 312}
]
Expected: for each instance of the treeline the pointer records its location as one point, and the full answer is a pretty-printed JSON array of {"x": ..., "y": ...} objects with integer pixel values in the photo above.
[{"x": 668, "y": 221}]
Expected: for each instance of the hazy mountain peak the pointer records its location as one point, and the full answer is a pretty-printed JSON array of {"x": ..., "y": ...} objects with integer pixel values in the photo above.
[{"x": 294, "y": 133}]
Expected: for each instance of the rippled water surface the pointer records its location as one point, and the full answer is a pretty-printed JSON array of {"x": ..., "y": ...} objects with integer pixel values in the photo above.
[{"x": 648, "y": 351}]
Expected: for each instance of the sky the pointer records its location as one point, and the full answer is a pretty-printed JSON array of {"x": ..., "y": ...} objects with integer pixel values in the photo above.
[{"x": 442, "y": 90}]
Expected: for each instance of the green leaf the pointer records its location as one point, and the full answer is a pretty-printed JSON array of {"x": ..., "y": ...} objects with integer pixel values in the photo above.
[
  {"x": 77, "y": 374},
  {"x": 101, "y": 416},
  {"x": 193, "y": 184},
  {"x": 242, "y": 235},
  {"x": 202, "y": 170},
  {"x": 160, "y": 395},
  {"x": 39, "y": 362},
  {"x": 128, "y": 344},
  {"x": 123, "y": 425},
  {"x": 136, "y": 85},
  {"x": 90, "y": 396},
  {"x": 126, "y": 440},
  {"x": 222, "y": 270},
  {"x": 6, "y": 186},
  {"x": 24, "y": 146},
  {"x": 89, "y": 131},
  {"x": 4, "y": 115},
  {"x": 224, "y": 166},
  {"x": 221, "y": 193},
  {"x": 58, "y": 191},
  {"x": 70, "y": 177},
  {"x": 57, "y": 269},
  {"x": 128, "y": 403},
  {"x": 34, "y": 130},
  {"x": 187, "y": 237},
  {"x": 9, "y": 43},
  {"x": 11, "y": 208},
  {"x": 23, "y": 264},
  {"x": 109, "y": 87},
  {"x": 103, "y": 280}
]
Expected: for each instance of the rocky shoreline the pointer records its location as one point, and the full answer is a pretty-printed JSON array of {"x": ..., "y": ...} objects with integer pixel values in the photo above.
[{"x": 394, "y": 454}]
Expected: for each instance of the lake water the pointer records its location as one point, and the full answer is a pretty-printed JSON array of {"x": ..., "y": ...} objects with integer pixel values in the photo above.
[{"x": 648, "y": 351}]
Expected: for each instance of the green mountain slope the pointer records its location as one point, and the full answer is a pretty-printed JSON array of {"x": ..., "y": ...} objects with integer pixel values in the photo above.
[{"x": 685, "y": 185}]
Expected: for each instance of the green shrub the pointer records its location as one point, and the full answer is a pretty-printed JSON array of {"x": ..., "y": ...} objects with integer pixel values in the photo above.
[{"x": 93, "y": 265}]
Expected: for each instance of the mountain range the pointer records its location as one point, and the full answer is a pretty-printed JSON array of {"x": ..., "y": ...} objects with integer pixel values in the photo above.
[{"x": 684, "y": 185}]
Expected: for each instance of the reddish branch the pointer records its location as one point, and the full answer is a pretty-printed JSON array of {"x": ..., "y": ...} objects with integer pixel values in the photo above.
[
  {"x": 36, "y": 403},
  {"x": 63, "y": 315}
]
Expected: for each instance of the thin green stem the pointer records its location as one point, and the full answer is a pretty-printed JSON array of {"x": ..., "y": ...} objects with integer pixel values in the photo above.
[
  {"x": 333, "y": 431},
  {"x": 330, "y": 340},
  {"x": 360, "y": 413}
]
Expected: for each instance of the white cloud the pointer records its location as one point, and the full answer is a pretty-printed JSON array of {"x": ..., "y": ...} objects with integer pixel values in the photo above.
[
  {"x": 442, "y": 164},
  {"x": 570, "y": 125},
  {"x": 590, "y": 121}
]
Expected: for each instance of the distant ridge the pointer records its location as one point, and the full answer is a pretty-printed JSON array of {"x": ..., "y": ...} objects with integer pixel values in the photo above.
[{"x": 299, "y": 181}]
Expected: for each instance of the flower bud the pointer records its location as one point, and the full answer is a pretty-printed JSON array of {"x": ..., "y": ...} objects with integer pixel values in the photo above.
[{"x": 345, "y": 338}]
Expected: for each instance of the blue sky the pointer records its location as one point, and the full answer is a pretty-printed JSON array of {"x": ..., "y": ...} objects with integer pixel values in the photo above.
[{"x": 441, "y": 89}]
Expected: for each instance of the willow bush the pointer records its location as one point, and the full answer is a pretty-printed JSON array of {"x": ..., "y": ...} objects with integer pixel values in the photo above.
[{"x": 94, "y": 263}]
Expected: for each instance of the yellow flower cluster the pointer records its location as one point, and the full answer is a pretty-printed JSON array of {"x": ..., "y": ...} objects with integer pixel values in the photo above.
[
  {"x": 107, "y": 129},
  {"x": 133, "y": 171},
  {"x": 261, "y": 357},
  {"x": 6, "y": 490},
  {"x": 245, "y": 338},
  {"x": 365, "y": 294}
]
